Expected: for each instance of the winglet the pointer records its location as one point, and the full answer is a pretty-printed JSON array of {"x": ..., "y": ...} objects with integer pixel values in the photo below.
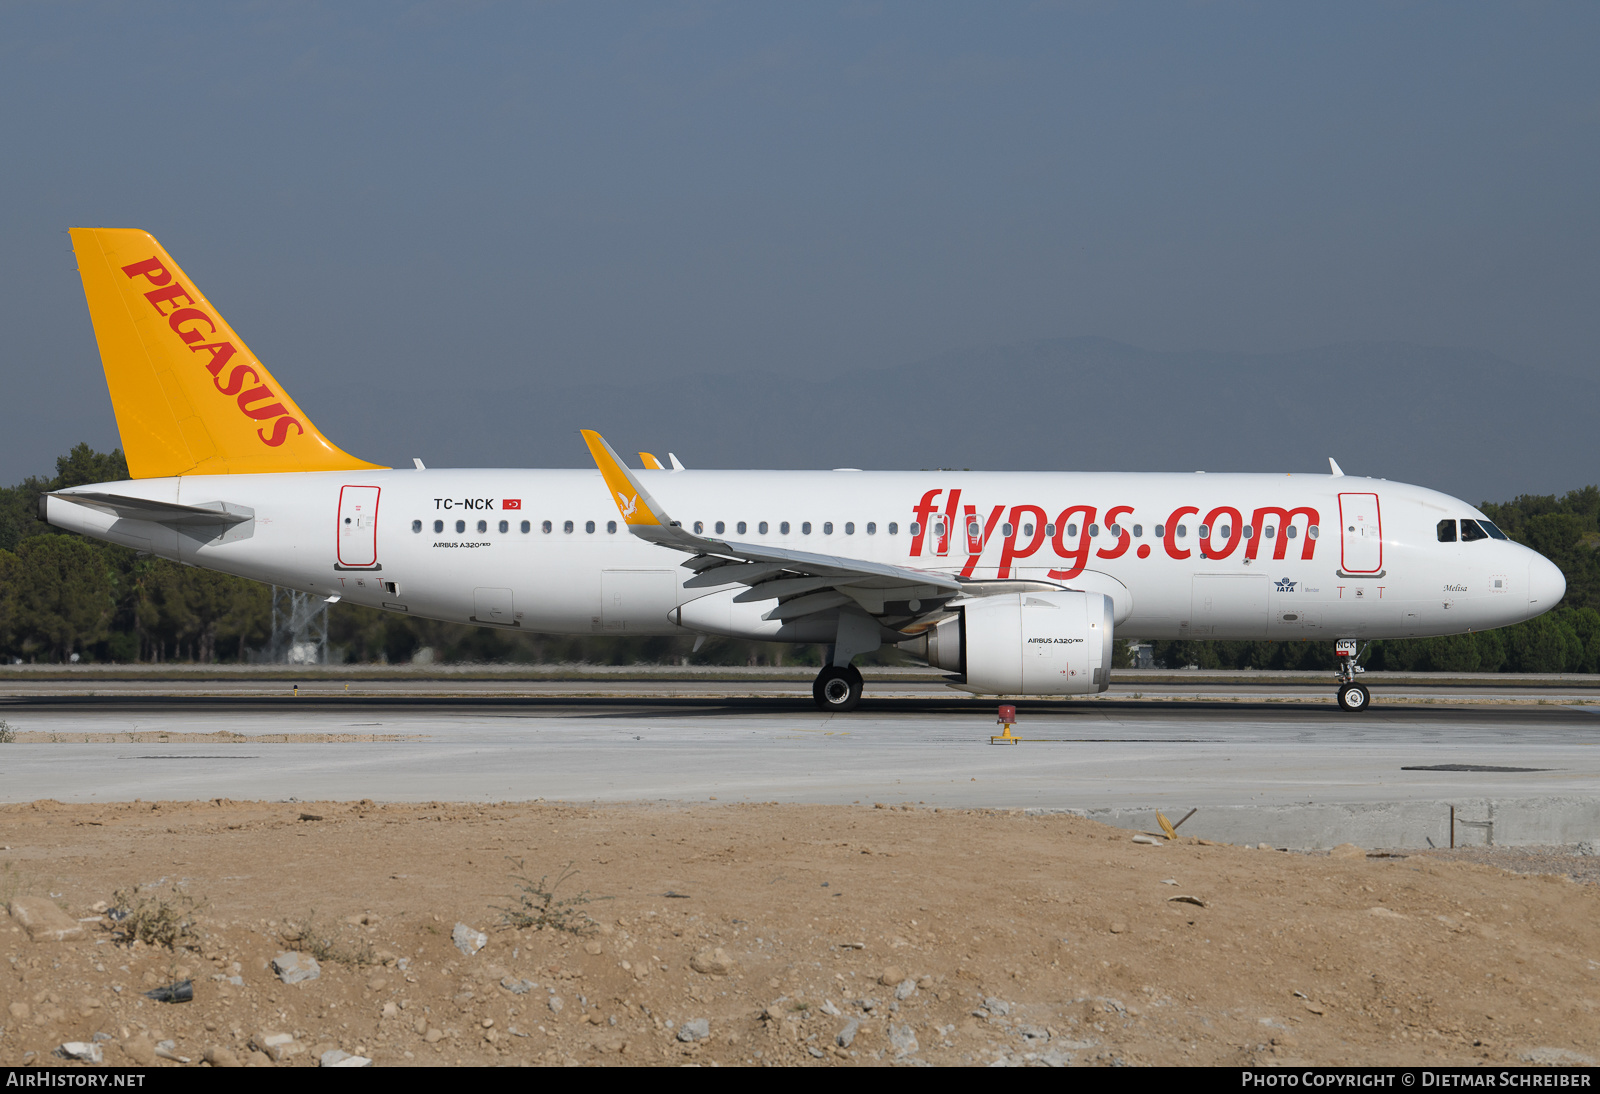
[
  {"x": 1337, "y": 473},
  {"x": 634, "y": 502},
  {"x": 650, "y": 462}
]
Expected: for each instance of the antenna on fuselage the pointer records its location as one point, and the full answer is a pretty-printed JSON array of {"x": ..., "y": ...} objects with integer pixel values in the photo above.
[{"x": 1338, "y": 474}]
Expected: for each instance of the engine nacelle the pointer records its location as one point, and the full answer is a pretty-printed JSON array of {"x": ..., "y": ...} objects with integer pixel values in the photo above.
[{"x": 1046, "y": 643}]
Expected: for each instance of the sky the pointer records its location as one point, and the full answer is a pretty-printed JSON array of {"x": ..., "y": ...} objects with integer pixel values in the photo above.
[{"x": 387, "y": 200}]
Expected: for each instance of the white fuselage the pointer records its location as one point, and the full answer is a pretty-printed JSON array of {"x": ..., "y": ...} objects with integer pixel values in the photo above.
[{"x": 1206, "y": 556}]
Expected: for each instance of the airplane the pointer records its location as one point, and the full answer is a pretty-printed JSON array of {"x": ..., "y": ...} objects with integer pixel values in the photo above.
[{"x": 1013, "y": 583}]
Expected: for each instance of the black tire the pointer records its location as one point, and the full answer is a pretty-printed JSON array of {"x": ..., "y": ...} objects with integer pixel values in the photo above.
[
  {"x": 837, "y": 689},
  {"x": 1354, "y": 698}
]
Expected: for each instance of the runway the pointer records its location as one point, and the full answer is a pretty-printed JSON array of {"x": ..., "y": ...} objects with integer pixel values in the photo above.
[{"x": 1291, "y": 771}]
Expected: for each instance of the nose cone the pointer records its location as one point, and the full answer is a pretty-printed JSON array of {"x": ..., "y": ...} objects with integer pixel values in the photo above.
[{"x": 1546, "y": 584}]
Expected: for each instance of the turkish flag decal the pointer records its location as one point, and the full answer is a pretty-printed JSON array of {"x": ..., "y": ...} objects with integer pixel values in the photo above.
[{"x": 511, "y": 503}]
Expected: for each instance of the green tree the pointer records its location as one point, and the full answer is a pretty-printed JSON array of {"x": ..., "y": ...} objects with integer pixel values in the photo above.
[{"x": 65, "y": 594}]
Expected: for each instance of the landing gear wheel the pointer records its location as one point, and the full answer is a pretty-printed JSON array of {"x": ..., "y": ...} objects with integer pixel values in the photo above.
[
  {"x": 837, "y": 688},
  {"x": 1354, "y": 698}
]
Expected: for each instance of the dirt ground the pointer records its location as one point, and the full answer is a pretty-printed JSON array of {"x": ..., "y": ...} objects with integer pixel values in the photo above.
[{"x": 778, "y": 935}]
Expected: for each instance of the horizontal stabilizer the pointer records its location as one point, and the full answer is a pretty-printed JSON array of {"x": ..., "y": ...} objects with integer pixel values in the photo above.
[{"x": 159, "y": 512}]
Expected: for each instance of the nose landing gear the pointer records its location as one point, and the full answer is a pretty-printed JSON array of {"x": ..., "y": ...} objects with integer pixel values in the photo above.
[{"x": 1353, "y": 697}]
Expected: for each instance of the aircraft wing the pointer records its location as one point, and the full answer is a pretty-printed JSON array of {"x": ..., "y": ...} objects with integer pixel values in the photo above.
[{"x": 801, "y": 582}]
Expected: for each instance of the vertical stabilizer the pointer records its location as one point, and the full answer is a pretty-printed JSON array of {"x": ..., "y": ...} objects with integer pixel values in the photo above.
[{"x": 190, "y": 397}]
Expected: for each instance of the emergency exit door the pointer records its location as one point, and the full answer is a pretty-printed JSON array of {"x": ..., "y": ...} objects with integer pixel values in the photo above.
[{"x": 358, "y": 528}]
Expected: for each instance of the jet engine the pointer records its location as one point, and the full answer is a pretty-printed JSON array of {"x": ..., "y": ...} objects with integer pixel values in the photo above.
[{"x": 1043, "y": 643}]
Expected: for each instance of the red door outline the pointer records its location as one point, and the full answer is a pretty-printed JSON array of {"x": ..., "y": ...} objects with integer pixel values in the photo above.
[
  {"x": 1345, "y": 534},
  {"x": 356, "y": 534}
]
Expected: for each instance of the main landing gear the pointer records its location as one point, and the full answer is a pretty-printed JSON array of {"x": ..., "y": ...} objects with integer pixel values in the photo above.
[
  {"x": 1353, "y": 697},
  {"x": 837, "y": 688}
]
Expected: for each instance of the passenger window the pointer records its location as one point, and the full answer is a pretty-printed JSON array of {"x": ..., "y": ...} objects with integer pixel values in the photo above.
[
  {"x": 740, "y": 526},
  {"x": 1269, "y": 531},
  {"x": 545, "y": 527},
  {"x": 438, "y": 526},
  {"x": 1072, "y": 530},
  {"x": 588, "y": 526},
  {"x": 1161, "y": 530},
  {"x": 1050, "y": 530},
  {"x": 1138, "y": 531},
  {"x": 1183, "y": 530},
  {"x": 611, "y": 526},
  {"x": 894, "y": 528},
  {"x": 805, "y": 528},
  {"x": 566, "y": 526},
  {"x": 1027, "y": 530},
  {"x": 505, "y": 526},
  {"x": 1115, "y": 530},
  {"x": 783, "y": 528},
  {"x": 1291, "y": 531},
  {"x": 483, "y": 526},
  {"x": 1226, "y": 532},
  {"x": 1094, "y": 531},
  {"x": 1205, "y": 530},
  {"x": 912, "y": 529},
  {"x": 1313, "y": 531},
  {"x": 416, "y": 526},
  {"x": 699, "y": 528},
  {"x": 938, "y": 529},
  {"x": 721, "y": 527},
  {"x": 1470, "y": 531},
  {"x": 1006, "y": 530},
  {"x": 827, "y": 527},
  {"x": 973, "y": 530},
  {"x": 527, "y": 526},
  {"x": 461, "y": 526},
  {"x": 872, "y": 528},
  {"x": 849, "y": 527},
  {"x": 1249, "y": 531},
  {"x": 762, "y": 527}
]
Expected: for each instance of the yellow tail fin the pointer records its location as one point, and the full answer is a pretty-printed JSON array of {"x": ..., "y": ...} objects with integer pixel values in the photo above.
[{"x": 190, "y": 397}]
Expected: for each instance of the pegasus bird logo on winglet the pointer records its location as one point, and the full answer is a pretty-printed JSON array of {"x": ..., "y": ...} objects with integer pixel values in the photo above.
[{"x": 628, "y": 505}]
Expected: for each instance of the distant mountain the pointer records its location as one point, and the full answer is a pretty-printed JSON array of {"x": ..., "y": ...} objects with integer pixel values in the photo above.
[{"x": 1468, "y": 423}]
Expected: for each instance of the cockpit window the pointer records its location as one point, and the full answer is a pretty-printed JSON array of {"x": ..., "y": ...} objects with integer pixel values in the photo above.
[
  {"x": 1470, "y": 531},
  {"x": 1492, "y": 530},
  {"x": 1447, "y": 531}
]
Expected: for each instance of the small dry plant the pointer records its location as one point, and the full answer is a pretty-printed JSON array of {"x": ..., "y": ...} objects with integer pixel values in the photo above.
[
  {"x": 326, "y": 943},
  {"x": 11, "y": 885},
  {"x": 163, "y": 918},
  {"x": 537, "y": 906},
  {"x": 7, "y": 734}
]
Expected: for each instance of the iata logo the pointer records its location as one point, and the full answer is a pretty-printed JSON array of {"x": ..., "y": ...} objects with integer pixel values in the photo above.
[
  {"x": 1285, "y": 585},
  {"x": 259, "y": 403}
]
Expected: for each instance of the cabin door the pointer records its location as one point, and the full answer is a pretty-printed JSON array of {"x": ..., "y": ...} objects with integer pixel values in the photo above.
[
  {"x": 1360, "y": 534},
  {"x": 358, "y": 528}
]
